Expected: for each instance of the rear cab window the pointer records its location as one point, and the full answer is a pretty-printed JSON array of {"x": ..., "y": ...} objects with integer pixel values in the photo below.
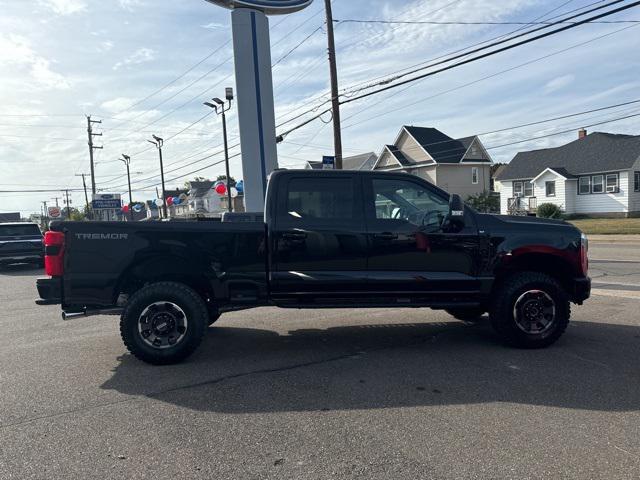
[
  {"x": 320, "y": 200},
  {"x": 26, "y": 230}
]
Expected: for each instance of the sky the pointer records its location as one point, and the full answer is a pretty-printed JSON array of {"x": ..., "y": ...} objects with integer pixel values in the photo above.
[{"x": 144, "y": 68}]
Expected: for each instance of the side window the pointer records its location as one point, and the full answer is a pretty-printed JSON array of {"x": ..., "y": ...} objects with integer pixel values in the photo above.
[
  {"x": 636, "y": 181},
  {"x": 585, "y": 185},
  {"x": 528, "y": 189},
  {"x": 612, "y": 183},
  {"x": 474, "y": 175},
  {"x": 597, "y": 184},
  {"x": 408, "y": 202},
  {"x": 517, "y": 189},
  {"x": 550, "y": 189},
  {"x": 320, "y": 200}
]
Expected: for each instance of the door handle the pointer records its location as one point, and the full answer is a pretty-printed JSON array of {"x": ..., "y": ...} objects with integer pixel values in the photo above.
[
  {"x": 386, "y": 236},
  {"x": 294, "y": 236}
]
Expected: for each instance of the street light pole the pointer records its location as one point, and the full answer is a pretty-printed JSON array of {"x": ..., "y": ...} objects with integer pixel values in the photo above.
[
  {"x": 158, "y": 142},
  {"x": 126, "y": 159},
  {"x": 221, "y": 105}
]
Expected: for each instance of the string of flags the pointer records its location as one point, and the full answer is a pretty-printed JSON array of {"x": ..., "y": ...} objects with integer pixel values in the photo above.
[{"x": 220, "y": 187}]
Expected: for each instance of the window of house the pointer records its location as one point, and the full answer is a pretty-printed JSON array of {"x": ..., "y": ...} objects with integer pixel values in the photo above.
[
  {"x": 636, "y": 181},
  {"x": 612, "y": 183},
  {"x": 528, "y": 189},
  {"x": 585, "y": 185},
  {"x": 474, "y": 175},
  {"x": 517, "y": 189},
  {"x": 550, "y": 189},
  {"x": 597, "y": 184}
]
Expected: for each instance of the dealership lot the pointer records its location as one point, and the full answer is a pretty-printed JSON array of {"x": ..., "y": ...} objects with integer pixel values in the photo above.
[{"x": 326, "y": 394}]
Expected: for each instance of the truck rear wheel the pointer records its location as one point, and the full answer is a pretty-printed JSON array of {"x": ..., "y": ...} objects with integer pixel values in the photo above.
[
  {"x": 530, "y": 310},
  {"x": 163, "y": 323}
]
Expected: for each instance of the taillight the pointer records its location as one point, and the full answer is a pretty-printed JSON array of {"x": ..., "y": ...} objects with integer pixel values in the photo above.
[
  {"x": 584, "y": 254},
  {"x": 54, "y": 253}
]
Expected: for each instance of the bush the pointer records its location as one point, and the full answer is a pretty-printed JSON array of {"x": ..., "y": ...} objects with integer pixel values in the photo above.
[
  {"x": 549, "y": 210},
  {"x": 485, "y": 202}
]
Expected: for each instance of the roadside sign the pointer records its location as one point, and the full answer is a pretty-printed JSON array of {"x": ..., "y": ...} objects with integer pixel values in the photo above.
[
  {"x": 55, "y": 212},
  {"x": 106, "y": 201},
  {"x": 328, "y": 163}
]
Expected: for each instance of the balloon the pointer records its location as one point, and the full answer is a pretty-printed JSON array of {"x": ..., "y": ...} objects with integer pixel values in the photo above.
[
  {"x": 169, "y": 201},
  {"x": 176, "y": 201},
  {"x": 183, "y": 197},
  {"x": 158, "y": 202},
  {"x": 137, "y": 207},
  {"x": 234, "y": 192},
  {"x": 125, "y": 209},
  {"x": 240, "y": 186},
  {"x": 221, "y": 189}
]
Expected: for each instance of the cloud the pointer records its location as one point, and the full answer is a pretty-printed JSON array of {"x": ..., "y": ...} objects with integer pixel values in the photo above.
[
  {"x": 16, "y": 51},
  {"x": 105, "y": 46},
  {"x": 65, "y": 7},
  {"x": 130, "y": 4},
  {"x": 559, "y": 83},
  {"x": 213, "y": 26},
  {"x": 117, "y": 104},
  {"x": 142, "y": 55}
]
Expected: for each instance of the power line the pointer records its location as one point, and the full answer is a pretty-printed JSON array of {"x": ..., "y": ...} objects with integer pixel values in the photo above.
[
  {"x": 427, "y": 22},
  {"x": 493, "y": 52}
]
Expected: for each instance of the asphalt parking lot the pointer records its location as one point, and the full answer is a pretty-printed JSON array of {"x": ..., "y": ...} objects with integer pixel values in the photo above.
[{"x": 372, "y": 394}]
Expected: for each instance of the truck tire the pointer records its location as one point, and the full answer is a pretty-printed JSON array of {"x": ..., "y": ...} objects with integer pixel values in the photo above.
[
  {"x": 163, "y": 323},
  {"x": 530, "y": 310},
  {"x": 213, "y": 317},
  {"x": 469, "y": 314}
]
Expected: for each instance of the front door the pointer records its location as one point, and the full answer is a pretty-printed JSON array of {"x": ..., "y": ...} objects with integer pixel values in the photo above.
[
  {"x": 413, "y": 254},
  {"x": 318, "y": 239}
]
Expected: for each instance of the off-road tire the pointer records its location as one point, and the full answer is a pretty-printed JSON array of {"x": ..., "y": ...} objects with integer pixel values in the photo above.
[
  {"x": 179, "y": 294},
  {"x": 469, "y": 314},
  {"x": 502, "y": 309}
]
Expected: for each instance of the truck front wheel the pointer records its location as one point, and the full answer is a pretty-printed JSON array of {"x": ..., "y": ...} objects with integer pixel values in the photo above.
[
  {"x": 530, "y": 310},
  {"x": 163, "y": 323}
]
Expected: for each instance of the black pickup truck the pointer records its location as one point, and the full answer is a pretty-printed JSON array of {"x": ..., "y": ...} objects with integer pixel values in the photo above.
[
  {"x": 328, "y": 239},
  {"x": 21, "y": 243}
]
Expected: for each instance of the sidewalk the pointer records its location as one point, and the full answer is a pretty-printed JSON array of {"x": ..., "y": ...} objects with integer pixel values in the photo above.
[{"x": 627, "y": 239}]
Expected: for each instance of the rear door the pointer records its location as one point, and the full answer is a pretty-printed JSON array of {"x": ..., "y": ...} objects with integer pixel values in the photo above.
[
  {"x": 411, "y": 254},
  {"x": 318, "y": 238}
]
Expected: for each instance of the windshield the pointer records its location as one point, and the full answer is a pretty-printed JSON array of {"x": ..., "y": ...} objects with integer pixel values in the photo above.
[{"x": 19, "y": 230}]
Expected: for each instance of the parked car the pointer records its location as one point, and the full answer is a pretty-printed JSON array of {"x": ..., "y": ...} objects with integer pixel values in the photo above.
[
  {"x": 21, "y": 243},
  {"x": 329, "y": 239}
]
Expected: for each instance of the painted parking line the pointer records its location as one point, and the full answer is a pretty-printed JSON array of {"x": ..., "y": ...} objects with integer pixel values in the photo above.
[{"x": 616, "y": 293}]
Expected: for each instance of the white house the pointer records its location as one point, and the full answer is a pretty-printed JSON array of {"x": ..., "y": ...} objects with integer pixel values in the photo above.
[
  {"x": 596, "y": 175},
  {"x": 460, "y": 166}
]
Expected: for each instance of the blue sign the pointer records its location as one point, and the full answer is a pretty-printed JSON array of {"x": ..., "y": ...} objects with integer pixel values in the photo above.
[
  {"x": 270, "y": 7},
  {"x": 328, "y": 163},
  {"x": 106, "y": 204}
]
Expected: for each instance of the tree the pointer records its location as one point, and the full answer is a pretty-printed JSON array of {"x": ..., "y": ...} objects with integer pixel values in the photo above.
[
  {"x": 196, "y": 179},
  {"x": 223, "y": 178},
  {"x": 485, "y": 202}
]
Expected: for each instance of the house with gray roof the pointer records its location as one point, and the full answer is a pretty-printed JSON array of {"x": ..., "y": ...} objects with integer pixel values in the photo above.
[
  {"x": 364, "y": 161},
  {"x": 596, "y": 175},
  {"x": 460, "y": 166}
]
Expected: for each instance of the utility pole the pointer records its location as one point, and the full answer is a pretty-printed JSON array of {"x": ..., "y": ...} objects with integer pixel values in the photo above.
[
  {"x": 46, "y": 215},
  {"x": 86, "y": 196},
  {"x": 158, "y": 142},
  {"x": 68, "y": 202},
  {"x": 219, "y": 104},
  {"x": 56, "y": 199},
  {"x": 335, "y": 100},
  {"x": 126, "y": 159},
  {"x": 91, "y": 149}
]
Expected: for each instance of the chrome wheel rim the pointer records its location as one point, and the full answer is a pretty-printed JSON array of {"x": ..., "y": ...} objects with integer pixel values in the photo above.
[
  {"x": 162, "y": 325},
  {"x": 534, "y": 312}
]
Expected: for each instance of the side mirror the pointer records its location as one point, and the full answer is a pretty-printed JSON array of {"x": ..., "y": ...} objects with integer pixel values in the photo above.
[{"x": 455, "y": 218}]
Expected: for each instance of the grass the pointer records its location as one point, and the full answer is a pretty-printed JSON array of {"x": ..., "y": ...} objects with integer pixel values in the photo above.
[{"x": 608, "y": 226}]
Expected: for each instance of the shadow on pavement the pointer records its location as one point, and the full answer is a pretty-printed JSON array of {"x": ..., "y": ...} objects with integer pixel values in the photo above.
[
  {"x": 21, "y": 270},
  {"x": 237, "y": 370}
]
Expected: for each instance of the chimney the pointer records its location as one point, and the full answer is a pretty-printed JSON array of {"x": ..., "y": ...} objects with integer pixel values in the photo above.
[{"x": 582, "y": 133}]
